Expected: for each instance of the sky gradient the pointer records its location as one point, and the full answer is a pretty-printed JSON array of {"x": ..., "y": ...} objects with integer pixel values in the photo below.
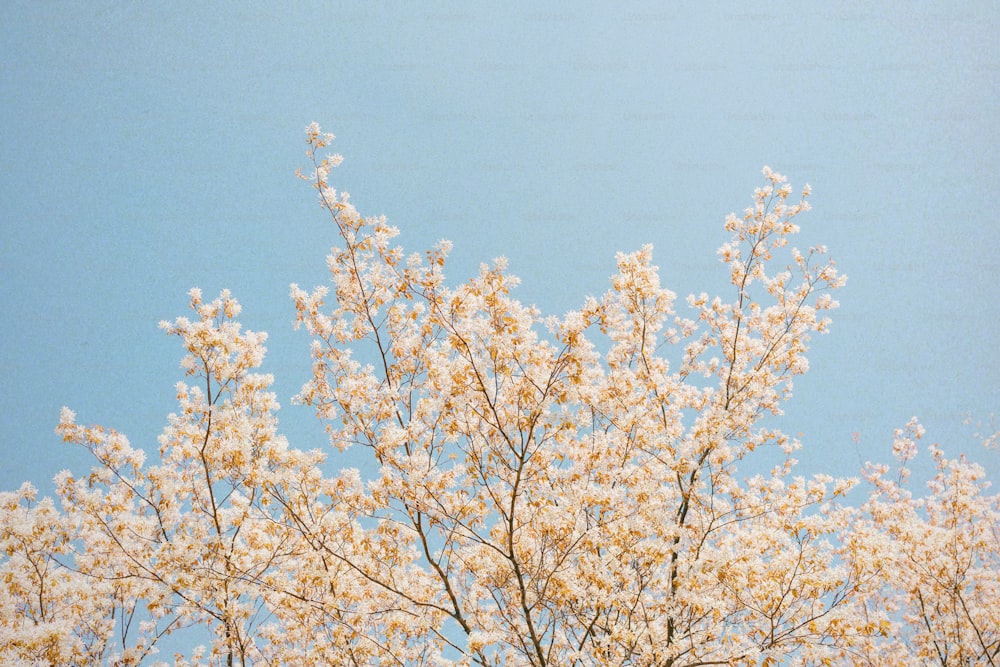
[{"x": 147, "y": 148}]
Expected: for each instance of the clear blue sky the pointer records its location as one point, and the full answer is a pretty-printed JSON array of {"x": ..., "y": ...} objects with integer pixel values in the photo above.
[{"x": 146, "y": 148}]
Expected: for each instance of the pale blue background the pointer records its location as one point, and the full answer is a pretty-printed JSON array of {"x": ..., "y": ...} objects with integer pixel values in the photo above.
[{"x": 146, "y": 148}]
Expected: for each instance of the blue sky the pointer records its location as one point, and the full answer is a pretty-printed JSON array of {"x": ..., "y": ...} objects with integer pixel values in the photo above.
[{"x": 146, "y": 148}]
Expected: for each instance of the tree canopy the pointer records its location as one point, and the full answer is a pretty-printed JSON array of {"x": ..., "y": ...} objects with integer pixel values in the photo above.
[{"x": 548, "y": 490}]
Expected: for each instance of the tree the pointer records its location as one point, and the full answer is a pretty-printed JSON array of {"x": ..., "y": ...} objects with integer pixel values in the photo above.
[
  {"x": 550, "y": 490},
  {"x": 943, "y": 555}
]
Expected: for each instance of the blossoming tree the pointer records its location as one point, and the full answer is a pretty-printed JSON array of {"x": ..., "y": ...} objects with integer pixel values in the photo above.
[{"x": 549, "y": 490}]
